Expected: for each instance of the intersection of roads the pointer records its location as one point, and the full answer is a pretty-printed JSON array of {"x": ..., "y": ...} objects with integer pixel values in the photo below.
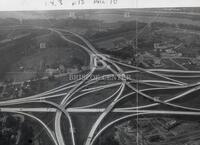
[{"x": 165, "y": 80}]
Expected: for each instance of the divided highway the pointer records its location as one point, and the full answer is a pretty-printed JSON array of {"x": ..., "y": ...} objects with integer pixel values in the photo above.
[{"x": 80, "y": 88}]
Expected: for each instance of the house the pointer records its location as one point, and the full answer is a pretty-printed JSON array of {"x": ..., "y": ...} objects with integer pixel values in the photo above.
[
  {"x": 42, "y": 45},
  {"x": 51, "y": 71},
  {"x": 61, "y": 68},
  {"x": 198, "y": 58},
  {"x": 157, "y": 62},
  {"x": 42, "y": 41}
]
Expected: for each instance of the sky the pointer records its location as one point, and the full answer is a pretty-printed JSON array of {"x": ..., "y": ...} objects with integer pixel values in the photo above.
[{"x": 13, "y": 5}]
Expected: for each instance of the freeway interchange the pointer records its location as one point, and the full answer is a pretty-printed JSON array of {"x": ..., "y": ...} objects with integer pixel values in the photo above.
[{"x": 161, "y": 80}]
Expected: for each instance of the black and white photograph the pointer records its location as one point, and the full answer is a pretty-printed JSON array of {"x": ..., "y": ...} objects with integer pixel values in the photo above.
[{"x": 99, "y": 75}]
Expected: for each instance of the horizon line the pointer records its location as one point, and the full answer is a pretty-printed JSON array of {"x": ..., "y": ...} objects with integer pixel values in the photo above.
[{"x": 46, "y": 5}]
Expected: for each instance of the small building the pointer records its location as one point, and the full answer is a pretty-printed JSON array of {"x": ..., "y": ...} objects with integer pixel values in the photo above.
[
  {"x": 51, "y": 71},
  {"x": 163, "y": 46},
  {"x": 42, "y": 41},
  {"x": 198, "y": 58},
  {"x": 157, "y": 61},
  {"x": 42, "y": 45},
  {"x": 196, "y": 61},
  {"x": 61, "y": 68}
]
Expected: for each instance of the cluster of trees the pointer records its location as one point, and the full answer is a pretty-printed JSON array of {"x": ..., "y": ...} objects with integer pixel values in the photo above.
[
  {"x": 191, "y": 9},
  {"x": 9, "y": 22},
  {"x": 125, "y": 53},
  {"x": 170, "y": 13},
  {"x": 15, "y": 50},
  {"x": 126, "y": 27},
  {"x": 157, "y": 25},
  {"x": 12, "y": 52},
  {"x": 181, "y": 16},
  {"x": 51, "y": 22},
  {"x": 189, "y": 27},
  {"x": 108, "y": 140},
  {"x": 76, "y": 62},
  {"x": 14, "y": 125}
]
